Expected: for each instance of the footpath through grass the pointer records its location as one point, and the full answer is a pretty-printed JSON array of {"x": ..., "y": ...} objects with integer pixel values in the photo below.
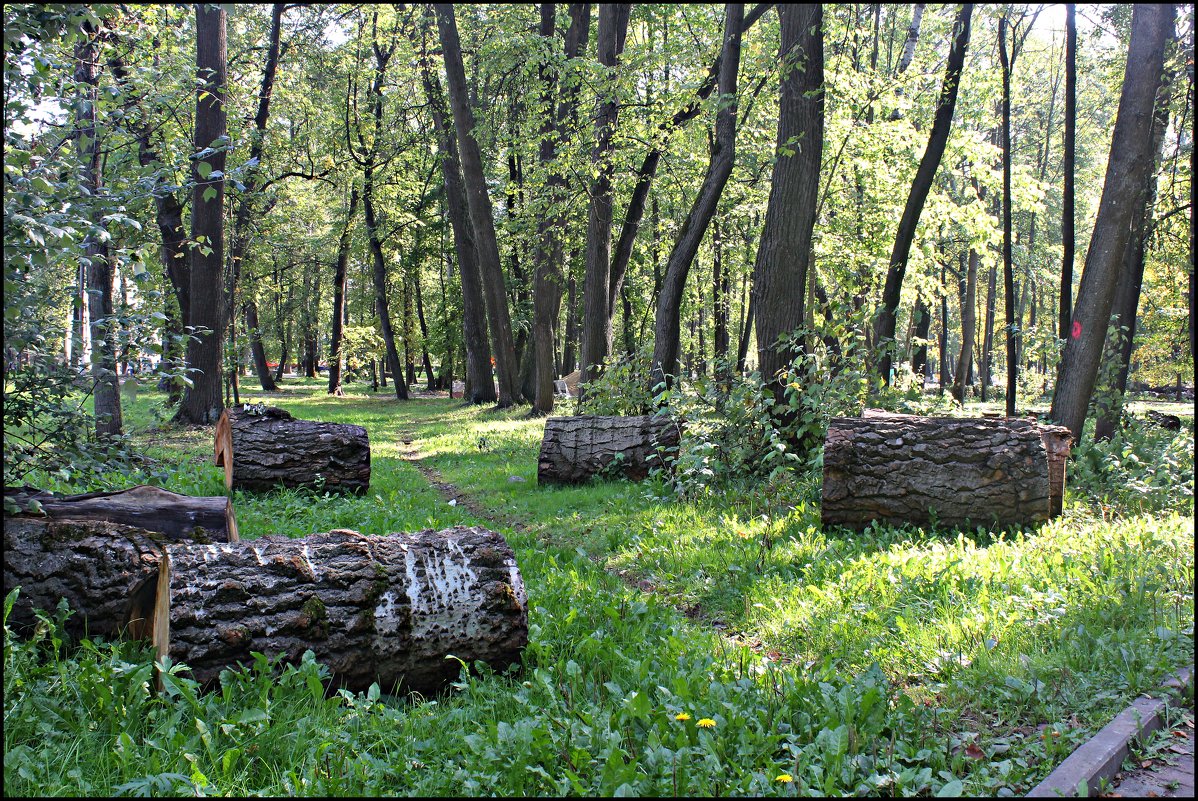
[{"x": 725, "y": 645}]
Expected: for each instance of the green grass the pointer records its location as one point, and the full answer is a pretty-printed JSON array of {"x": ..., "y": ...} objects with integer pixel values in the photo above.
[{"x": 896, "y": 661}]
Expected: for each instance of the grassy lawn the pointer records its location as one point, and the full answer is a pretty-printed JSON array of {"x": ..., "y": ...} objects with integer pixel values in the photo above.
[{"x": 900, "y": 661}]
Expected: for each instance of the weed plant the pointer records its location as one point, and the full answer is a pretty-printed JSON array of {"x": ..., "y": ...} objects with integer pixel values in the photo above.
[{"x": 716, "y": 644}]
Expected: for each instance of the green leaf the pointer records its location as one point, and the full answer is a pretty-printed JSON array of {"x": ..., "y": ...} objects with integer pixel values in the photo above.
[
  {"x": 953, "y": 789},
  {"x": 204, "y": 169}
]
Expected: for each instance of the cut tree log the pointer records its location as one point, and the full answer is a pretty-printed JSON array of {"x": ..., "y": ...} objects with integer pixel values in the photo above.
[
  {"x": 107, "y": 572},
  {"x": 262, "y": 448},
  {"x": 575, "y": 449},
  {"x": 898, "y": 468},
  {"x": 393, "y": 609},
  {"x": 176, "y": 517}
]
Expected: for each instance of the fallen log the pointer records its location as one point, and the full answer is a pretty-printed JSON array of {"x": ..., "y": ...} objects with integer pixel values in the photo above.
[
  {"x": 575, "y": 449},
  {"x": 177, "y": 517},
  {"x": 108, "y": 573},
  {"x": 262, "y": 448},
  {"x": 898, "y": 468},
  {"x": 390, "y": 609}
]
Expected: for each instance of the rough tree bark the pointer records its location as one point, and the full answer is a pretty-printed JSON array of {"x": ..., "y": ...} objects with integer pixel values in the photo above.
[
  {"x": 506, "y": 367},
  {"x": 575, "y": 449},
  {"x": 202, "y": 403},
  {"x": 266, "y": 447},
  {"x": 1128, "y": 171},
  {"x": 177, "y": 517},
  {"x": 664, "y": 366},
  {"x": 1068, "y": 237},
  {"x": 946, "y": 471},
  {"x": 596, "y": 325},
  {"x": 920, "y": 187},
  {"x": 340, "y": 279},
  {"x": 389, "y": 609},
  {"x": 783, "y": 257}
]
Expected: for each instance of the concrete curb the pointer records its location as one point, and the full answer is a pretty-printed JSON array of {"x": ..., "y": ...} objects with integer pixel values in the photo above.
[{"x": 1102, "y": 755}]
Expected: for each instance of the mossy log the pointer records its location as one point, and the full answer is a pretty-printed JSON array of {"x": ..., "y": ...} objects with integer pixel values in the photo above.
[
  {"x": 107, "y": 572},
  {"x": 391, "y": 609},
  {"x": 897, "y": 468},
  {"x": 177, "y": 517},
  {"x": 262, "y": 448},
  {"x": 575, "y": 449}
]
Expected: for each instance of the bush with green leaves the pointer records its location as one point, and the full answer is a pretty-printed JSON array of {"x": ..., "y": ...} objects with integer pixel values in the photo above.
[{"x": 1142, "y": 468}]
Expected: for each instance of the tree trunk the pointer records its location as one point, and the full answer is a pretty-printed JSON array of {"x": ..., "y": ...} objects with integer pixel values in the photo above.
[
  {"x": 178, "y": 518},
  {"x": 1129, "y": 170},
  {"x": 1117, "y": 359},
  {"x": 919, "y": 356},
  {"x": 480, "y": 385},
  {"x": 720, "y": 298},
  {"x": 340, "y": 280},
  {"x": 106, "y": 393},
  {"x": 379, "y": 276},
  {"x": 664, "y": 366},
  {"x": 1068, "y": 237},
  {"x": 480, "y": 211},
  {"x": 265, "y": 379},
  {"x": 576, "y": 449},
  {"x": 202, "y": 402},
  {"x": 261, "y": 448},
  {"x": 391, "y": 609},
  {"x": 426, "y": 362},
  {"x": 596, "y": 318},
  {"x": 783, "y": 257},
  {"x": 988, "y": 332},
  {"x": 920, "y": 187},
  {"x": 944, "y": 471}
]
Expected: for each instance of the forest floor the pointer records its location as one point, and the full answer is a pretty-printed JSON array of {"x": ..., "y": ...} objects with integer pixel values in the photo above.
[{"x": 895, "y": 661}]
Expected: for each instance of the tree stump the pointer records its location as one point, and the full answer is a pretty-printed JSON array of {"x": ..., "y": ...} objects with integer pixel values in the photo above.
[
  {"x": 263, "y": 447},
  {"x": 951, "y": 471},
  {"x": 390, "y": 609},
  {"x": 176, "y": 517},
  {"x": 107, "y": 572},
  {"x": 574, "y": 449}
]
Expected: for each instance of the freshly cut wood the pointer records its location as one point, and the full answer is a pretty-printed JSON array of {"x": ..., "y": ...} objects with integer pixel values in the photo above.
[
  {"x": 574, "y": 449},
  {"x": 107, "y": 572},
  {"x": 262, "y": 447},
  {"x": 898, "y": 468},
  {"x": 177, "y": 517},
  {"x": 391, "y": 609}
]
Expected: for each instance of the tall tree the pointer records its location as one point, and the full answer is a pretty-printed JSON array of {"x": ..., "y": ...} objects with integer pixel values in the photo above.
[
  {"x": 1068, "y": 237},
  {"x": 340, "y": 277},
  {"x": 596, "y": 321},
  {"x": 202, "y": 403},
  {"x": 664, "y": 366},
  {"x": 783, "y": 256},
  {"x": 1129, "y": 169},
  {"x": 507, "y": 369},
  {"x": 920, "y": 187}
]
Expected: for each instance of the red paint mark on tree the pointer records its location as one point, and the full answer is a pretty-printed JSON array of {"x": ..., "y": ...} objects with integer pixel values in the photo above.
[{"x": 1076, "y": 330}]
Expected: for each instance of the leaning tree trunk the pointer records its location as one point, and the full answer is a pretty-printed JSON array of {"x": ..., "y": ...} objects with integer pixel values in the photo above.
[
  {"x": 949, "y": 471},
  {"x": 262, "y": 448},
  {"x": 390, "y": 609},
  {"x": 575, "y": 449},
  {"x": 177, "y": 517}
]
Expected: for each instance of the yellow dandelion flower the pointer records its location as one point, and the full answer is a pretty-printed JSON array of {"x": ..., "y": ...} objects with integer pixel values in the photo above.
[
  {"x": 682, "y": 716},
  {"x": 785, "y": 778},
  {"x": 706, "y": 723},
  {"x": 744, "y": 535}
]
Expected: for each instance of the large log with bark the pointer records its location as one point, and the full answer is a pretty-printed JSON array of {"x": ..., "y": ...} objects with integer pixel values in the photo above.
[
  {"x": 898, "y": 468},
  {"x": 177, "y": 517},
  {"x": 390, "y": 609},
  {"x": 262, "y": 448},
  {"x": 575, "y": 449},
  {"x": 108, "y": 573}
]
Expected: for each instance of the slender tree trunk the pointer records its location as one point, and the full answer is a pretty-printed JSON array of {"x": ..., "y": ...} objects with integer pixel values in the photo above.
[
  {"x": 780, "y": 270},
  {"x": 720, "y": 297},
  {"x": 106, "y": 394},
  {"x": 570, "y": 351},
  {"x": 920, "y": 187},
  {"x": 596, "y": 318},
  {"x": 1008, "y": 270},
  {"x": 666, "y": 331},
  {"x": 480, "y": 211},
  {"x": 943, "y": 335},
  {"x": 379, "y": 276},
  {"x": 1128, "y": 171},
  {"x": 968, "y": 327},
  {"x": 340, "y": 278},
  {"x": 1068, "y": 238},
  {"x": 988, "y": 331},
  {"x": 202, "y": 404},
  {"x": 481, "y": 387},
  {"x": 923, "y": 323}
]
